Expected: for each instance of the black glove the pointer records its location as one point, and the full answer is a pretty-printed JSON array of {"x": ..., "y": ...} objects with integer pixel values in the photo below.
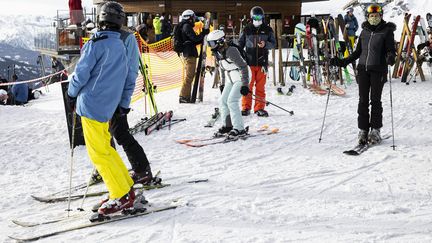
[
  {"x": 71, "y": 102},
  {"x": 206, "y": 31},
  {"x": 338, "y": 62},
  {"x": 244, "y": 90},
  {"x": 390, "y": 59},
  {"x": 221, "y": 87},
  {"x": 120, "y": 111}
]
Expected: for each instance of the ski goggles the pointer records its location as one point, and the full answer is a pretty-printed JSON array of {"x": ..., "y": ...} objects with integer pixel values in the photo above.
[
  {"x": 257, "y": 17},
  {"x": 215, "y": 43},
  {"x": 374, "y": 9}
]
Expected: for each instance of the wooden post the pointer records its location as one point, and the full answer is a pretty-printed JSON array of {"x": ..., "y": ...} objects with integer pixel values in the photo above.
[
  {"x": 279, "y": 38},
  {"x": 273, "y": 26}
]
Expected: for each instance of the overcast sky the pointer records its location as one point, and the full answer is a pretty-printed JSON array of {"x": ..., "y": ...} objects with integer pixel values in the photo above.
[{"x": 37, "y": 7}]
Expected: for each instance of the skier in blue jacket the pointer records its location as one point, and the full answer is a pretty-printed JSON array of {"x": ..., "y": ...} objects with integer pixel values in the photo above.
[
  {"x": 19, "y": 92},
  {"x": 99, "y": 86}
]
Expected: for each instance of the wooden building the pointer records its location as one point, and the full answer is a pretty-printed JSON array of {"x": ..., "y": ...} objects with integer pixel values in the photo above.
[{"x": 225, "y": 12}]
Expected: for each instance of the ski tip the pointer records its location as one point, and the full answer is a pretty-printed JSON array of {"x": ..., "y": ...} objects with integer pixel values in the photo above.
[
  {"x": 183, "y": 141},
  {"x": 265, "y": 126},
  {"x": 275, "y": 130}
]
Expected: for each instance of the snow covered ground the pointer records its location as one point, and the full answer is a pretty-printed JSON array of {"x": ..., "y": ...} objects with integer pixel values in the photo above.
[
  {"x": 280, "y": 188},
  {"x": 284, "y": 187}
]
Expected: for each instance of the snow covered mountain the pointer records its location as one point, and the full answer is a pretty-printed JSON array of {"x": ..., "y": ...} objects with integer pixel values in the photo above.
[
  {"x": 20, "y": 30},
  {"x": 17, "y": 34}
]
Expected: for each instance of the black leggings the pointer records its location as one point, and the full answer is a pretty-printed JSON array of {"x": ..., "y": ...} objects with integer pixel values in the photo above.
[
  {"x": 370, "y": 82},
  {"x": 119, "y": 129}
]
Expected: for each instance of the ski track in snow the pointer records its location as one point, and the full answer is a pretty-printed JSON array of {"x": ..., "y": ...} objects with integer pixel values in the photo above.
[{"x": 285, "y": 187}]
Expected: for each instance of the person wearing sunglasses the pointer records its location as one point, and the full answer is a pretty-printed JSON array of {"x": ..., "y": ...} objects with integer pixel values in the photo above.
[
  {"x": 375, "y": 50},
  {"x": 258, "y": 38}
]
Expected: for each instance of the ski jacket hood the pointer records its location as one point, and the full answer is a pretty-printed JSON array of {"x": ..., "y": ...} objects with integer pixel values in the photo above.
[{"x": 99, "y": 80}]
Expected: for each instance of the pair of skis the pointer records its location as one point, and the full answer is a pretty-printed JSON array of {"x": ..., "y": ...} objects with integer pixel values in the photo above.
[
  {"x": 289, "y": 92},
  {"x": 198, "y": 86},
  {"x": 360, "y": 148},
  {"x": 54, "y": 199},
  {"x": 156, "y": 122},
  {"x": 202, "y": 142},
  {"x": 114, "y": 218}
]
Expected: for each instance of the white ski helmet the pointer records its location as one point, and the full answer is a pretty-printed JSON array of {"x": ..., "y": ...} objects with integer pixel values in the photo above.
[
  {"x": 215, "y": 39},
  {"x": 187, "y": 14}
]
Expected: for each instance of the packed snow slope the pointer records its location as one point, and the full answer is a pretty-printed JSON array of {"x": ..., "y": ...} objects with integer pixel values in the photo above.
[
  {"x": 278, "y": 188},
  {"x": 285, "y": 187}
]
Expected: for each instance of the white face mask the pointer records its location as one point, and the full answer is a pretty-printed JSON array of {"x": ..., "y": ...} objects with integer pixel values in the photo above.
[{"x": 257, "y": 23}]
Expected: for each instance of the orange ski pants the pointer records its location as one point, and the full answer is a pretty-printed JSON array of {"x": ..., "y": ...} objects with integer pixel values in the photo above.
[{"x": 258, "y": 80}]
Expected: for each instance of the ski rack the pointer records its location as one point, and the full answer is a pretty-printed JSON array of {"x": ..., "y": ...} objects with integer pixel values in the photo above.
[{"x": 406, "y": 33}]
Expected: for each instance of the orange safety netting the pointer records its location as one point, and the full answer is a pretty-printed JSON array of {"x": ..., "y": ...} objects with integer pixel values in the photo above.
[{"x": 165, "y": 67}]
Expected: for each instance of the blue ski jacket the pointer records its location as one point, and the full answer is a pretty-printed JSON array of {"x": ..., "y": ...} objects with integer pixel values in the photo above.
[
  {"x": 20, "y": 92},
  {"x": 100, "y": 80}
]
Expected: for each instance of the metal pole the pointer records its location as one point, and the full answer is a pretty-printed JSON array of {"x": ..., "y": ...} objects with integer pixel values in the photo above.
[
  {"x": 71, "y": 161},
  {"x": 391, "y": 107}
]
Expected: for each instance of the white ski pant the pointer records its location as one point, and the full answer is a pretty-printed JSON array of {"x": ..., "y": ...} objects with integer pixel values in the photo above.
[{"x": 230, "y": 105}]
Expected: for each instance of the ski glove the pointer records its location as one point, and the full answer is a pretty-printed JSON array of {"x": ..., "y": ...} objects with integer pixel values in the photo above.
[
  {"x": 390, "y": 59},
  {"x": 120, "y": 111},
  {"x": 205, "y": 31},
  {"x": 71, "y": 101},
  {"x": 244, "y": 90},
  {"x": 338, "y": 62}
]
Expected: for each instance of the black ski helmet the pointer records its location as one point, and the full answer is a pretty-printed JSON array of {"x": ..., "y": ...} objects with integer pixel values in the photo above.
[
  {"x": 112, "y": 12},
  {"x": 255, "y": 11}
]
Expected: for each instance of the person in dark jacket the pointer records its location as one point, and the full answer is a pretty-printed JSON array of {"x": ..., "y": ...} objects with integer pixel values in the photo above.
[
  {"x": 258, "y": 38},
  {"x": 19, "y": 91},
  {"x": 166, "y": 28},
  {"x": 375, "y": 50},
  {"x": 351, "y": 25},
  {"x": 190, "y": 53},
  {"x": 425, "y": 50}
]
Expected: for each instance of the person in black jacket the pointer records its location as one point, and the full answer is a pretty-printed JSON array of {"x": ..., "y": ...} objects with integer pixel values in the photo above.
[
  {"x": 190, "y": 53},
  {"x": 258, "y": 38},
  {"x": 375, "y": 50}
]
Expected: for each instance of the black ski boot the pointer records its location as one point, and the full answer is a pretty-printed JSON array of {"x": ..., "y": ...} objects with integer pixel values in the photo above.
[
  {"x": 363, "y": 137},
  {"x": 374, "y": 136},
  {"x": 245, "y": 112},
  {"x": 95, "y": 178},
  {"x": 222, "y": 131},
  {"x": 262, "y": 113},
  {"x": 235, "y": 134},
  {"x": 184, "y": 100}
]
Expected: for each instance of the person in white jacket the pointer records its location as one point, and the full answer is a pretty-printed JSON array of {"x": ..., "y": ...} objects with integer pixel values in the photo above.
[{"x": 235, "y": 83}]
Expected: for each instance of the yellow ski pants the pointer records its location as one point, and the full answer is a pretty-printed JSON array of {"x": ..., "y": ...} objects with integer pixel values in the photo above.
[{"x": 105, "y": 158}]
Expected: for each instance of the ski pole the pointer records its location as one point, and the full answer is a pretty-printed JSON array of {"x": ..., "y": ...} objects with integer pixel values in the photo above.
[
  {"x": 325, "y": 112},
  {"x": 391, "y": 107},
  {"x": 86, "y": 191},
  {"x": 259, "y": 99},
  {"x": 71, "y": 161}
]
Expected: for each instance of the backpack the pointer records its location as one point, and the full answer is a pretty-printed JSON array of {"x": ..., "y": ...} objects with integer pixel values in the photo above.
[
  {"x": 242, "y": 51},
  {"x": 178, "y": 39}
]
